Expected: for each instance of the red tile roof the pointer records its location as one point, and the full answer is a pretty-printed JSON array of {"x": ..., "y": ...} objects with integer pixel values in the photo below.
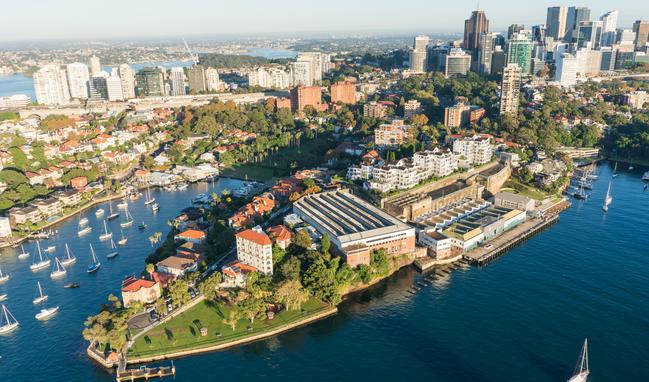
[
  {"x": 280, "y": 233},
  {"x": 132, "y": 284},
  {"x": 192, "y": 234},
  {"x": 255, "y": 237}
]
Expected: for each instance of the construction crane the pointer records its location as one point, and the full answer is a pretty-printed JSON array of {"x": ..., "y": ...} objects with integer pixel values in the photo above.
[{"x": 193, "y": 57}]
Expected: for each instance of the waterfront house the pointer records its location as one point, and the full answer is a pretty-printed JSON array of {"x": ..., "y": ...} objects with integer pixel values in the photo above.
[
  {"x": 48, "y": 207},
  {"x": 68, "y": 198},
  {"x": 246, "y": 215},
  {"x": 235, "y": 274},
  {"x": 255, "y": 248},
  {"x": 137, "y": 290},
  {"x": 24, "y": 215},
  {"x": 177, "y": 265},
  {"x": 192, "y": 235}
]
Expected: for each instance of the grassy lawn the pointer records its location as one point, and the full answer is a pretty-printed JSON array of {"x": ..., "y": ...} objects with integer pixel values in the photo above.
[
  {"x": 183, "y": 332},
  {"x": 513, "y": 185}
]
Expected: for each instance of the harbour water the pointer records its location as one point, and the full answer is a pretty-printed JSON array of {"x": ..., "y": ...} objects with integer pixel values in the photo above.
[
  {"x": 17, "y": 84},
  {"x": 522, "y": 317}
]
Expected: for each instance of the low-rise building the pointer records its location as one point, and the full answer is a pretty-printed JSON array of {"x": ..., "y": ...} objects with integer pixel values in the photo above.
[
  {"x": 235, "y": 274},
  {"x": 475, "y": 150},
  {"x": 48, "y": 207},
  {"x": 513, "y": 201},
  {"x": 177, "y": 265},
  {"x": 25, "y": 215},
  {"x": 5, "y": 227},
  {"x": 68, "y": 198},
  {"x": 412, "y": 108},
  {"x": 256, "y": 249},
  {"x": 637, "y": 99},
  {"x": 192, "y": 235},
  {"x": 391, "y": 135},
  {"x": 138, "y": 290},
  {"x": 281, "y": 235},
  {"x": 438, "y": 244},
  {"x": 375, "y": 110}
]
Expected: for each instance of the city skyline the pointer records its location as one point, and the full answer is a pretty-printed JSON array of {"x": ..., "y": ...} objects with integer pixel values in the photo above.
[{"x": 336, "y": 17}]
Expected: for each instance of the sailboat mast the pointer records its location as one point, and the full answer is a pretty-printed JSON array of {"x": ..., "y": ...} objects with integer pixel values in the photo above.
[{"x": 584, "y": 360}]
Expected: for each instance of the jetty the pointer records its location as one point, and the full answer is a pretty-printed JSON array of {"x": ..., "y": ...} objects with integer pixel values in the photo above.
[{"x": 144, "y": 372}]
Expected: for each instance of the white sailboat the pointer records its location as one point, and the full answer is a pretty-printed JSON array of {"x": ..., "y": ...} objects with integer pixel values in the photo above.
[
  {"x": 107, "y": 234},
  {"x": 24, "y": 254},
  {"x": 615, "y": 171},
  {"x": 3, "y": 297},
  {"x": 82, "y": 222},
  {"x": 128, "y": 221},
  {"x": 59, "y": 269},
  {"x": 3, "y": 277},
  {"x": 50, "y": 249},
  {"x": 41, "y": 296},
  {"x": 114, "y": 251},
  {"x": 608, "y": 199},
  {"x": 84, "y": 231},
  {"x": 122, "y": 205},
  {"x": 69, "y": 257},
  {"x": 149, "y": 199},
  {"x": 123, "y": 240},
  {"x": 155, "y": 207},
  {"x": 7, "y": 321},
  {"x": 582, "y": 371},
  {"x": 112, "y": 215},
  {"x": 99, "y": 212},
  {"x": 47, "y": 313},
  {"x": 94, "y": 263},
  {"x": 42, "y": 262}
]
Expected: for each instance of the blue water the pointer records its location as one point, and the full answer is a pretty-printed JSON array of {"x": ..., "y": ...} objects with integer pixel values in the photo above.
[
  {"x": 522, "y": 317},
  {"x": 17, "y": 84},
  {"x": 271, "y": 53}
]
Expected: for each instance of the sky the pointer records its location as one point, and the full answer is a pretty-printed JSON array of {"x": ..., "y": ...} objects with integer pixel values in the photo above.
[{"x": 92, "y": 19}]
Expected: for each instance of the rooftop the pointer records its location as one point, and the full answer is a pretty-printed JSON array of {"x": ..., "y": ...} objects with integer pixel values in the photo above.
[{"x": 255, "y": 237}]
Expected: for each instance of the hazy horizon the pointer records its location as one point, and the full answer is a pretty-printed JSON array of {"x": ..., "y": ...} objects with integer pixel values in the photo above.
[{"x": 42, "y": 20}]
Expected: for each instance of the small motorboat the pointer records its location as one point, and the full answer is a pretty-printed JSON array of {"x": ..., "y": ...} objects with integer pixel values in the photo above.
[
  {"x": 83, "y": 222},
  {"x": 182, "y": 186},
  {"x": 3, "y": 297},
  {"x": 142, "y": 226},
  {"x": 71, "y": 285},
  {"x": 155, "y": 207},
  {"x": 50, "y": 249},
  {"x": 47, "y": 313},
  {"x": 99, "y": 212},
  {"x": 84, "y": 231},
  {"x": 122, "y": 205}
]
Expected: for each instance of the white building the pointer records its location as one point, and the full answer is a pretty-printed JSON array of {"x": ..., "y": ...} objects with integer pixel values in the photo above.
[
  {"x": 127, "y": 76},
  {"x": 15, "y": 101},
  {"x": 51, "y": 86},
  {"x": 474, "y": 150},
  {"x": 411, "y": 108},
  {"x": 78, "y": 77},
  {"x": 418, "y": 54},
  {"x": 212, "y": 79},
  {"x": 95, "y": 65},
  {"x": 566, "y": 72},
  {"x": 301, "y": 73},
  {"x": 255, "y": 248},
  {"x": 177, "y": 81},
  {"x": 114, "y": 87},
  {"x": 5, "y": 227},
  {"x": 319, "y": 63}
]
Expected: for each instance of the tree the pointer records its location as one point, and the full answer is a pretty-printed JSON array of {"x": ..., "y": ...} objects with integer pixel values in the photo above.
[
  {"x": 160, "y": 306},
  {"x": 150, "y": 268},
  {"x": 179, "y": 292},
  {"x": 303, "y": 240},
  {"x": 419, "y": 120},
  {"x": 278, "y": 254},
  {"x": 210, "y": 287},
  {"x": 291, "y": 295},
  {"x": 252, "y": 308},
  {"x": 233, "y": 318},
  {"x": 320, "y": 279},
  {"x": 325, "y": 243},
  {"x": 290, "y": 270}
]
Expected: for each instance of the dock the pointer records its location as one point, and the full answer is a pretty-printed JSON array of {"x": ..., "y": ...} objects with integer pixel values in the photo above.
[
  {"x": 510, "y": 240},
  {"x": 145, "y": 373}
]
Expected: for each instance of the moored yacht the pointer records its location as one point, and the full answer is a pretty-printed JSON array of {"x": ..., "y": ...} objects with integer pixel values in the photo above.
[
  {"x": 46, "y": 313},
  {"x": 7, "y": 321}
]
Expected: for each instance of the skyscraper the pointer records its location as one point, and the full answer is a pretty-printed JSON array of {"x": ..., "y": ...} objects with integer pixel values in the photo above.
[
  {"x": 575, "y": 16},
  {"x": 514, "y": 29},
  {"x": 485, "y": 52},
  {"x": 556, "y": 22},
  {"x": 641, "y": 29},
  {"x": 150, "y": 82},
  {"x": 589, "y": 34},
  {"x": 98, "y": 87},
  {"x": 319, "y": 64},
  {"x": 177, "y": 81},
  {"x": 50, "y": 86},
  {"x": 212, "y": 80},
  {"x": 78, "y": 78},
  {"x": 609, "y": 26},
  {"x": 566, "y": 72},
  {"x": 510, "y": 89},
  {"x": 418, "y": 54},
  {"x": 196, "y": 79},
  {"x": 519, "y": 51},
  {"x": 95, "y": 65},
  {"x": 473, "y": 26},
  {"x": 114, "y": 86},
  {"x": 127, "y": 76}
]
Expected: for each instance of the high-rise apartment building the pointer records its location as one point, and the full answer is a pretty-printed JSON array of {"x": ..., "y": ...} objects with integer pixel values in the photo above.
[
  {"x": 127, "y": 76},
  {"x": 485, "y": 52},
  {"x": 575, "y": 16},
  {"x": 196, "y": 79},
  {"x": 566, "y": 72},
  {"x": 344, "y": 92},
  {"x": 51, "y": 86},
  {"x": 212, "y": 80},
  {"x": 641, "y": 29},
  {"x": 301, "y": 73},
  {"x": 418, "y": 58},
  {"x": 177, "y": 81},
  {"x": 150, "y": 82},
  {"x": 510, "y": 89},
  {"x": 255, "y": 248},
  {"x": 114, "y": 86},
  {"x": 556, "y": 22},
  {"x": 412, "y": 108},
  {"x": 95, "y": 65},
  {"x": 514, "y": 29},
  {"x": 319, "y": 63},
  {"x": 609, "y": 26},
  {"x": 98, "y": 87},
  {"x": 303, "y": 96},
  {"x": 519, "y": 51},
  {"x": 78, "y": 77},
  {"x": 473, "y": 26}
]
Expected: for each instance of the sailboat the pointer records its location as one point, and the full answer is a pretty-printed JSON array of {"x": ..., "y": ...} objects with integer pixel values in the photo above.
[
  {"x": 112, "y": 215},
  {"x": 142, "y": 226},
  {"x": 114, "y": 251},
  {"x": 149, "y": 199},
  {"x": 3, "y": 297},
  {"x": 85, "y": 230},
  {"x": 580, "y": 194},
  {"x": 582, "y": 371},
  {"x": 94, "y": 263},
  {"x": 69, "y": 258},
  {"x": 41, "y": 297},
  {"x": 6, "y": 324},
  {"x": 123, "y": 240},
  {"x": 83, "y": 222},
  {"x": 50, "y": 249},
  {"x": 155, "y": 207},
  {"x": 99, "y": 212},
  {"x": 24, "y": 254},
  {"x": 608, "y": 199},
  {"x": 47, "y": 313},
  {"x": 128, "y": 221},
  {"x": 615, "y": 171},
  {"x": 59, "y": 270},
  {"x": 107, "y": 234},
  {"x": 42, "y": 262},
  {"x": 3, "y": 277},
  {"x": 122, "y": 205}
]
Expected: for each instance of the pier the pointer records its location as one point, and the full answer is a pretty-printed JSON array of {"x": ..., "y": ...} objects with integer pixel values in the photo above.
[
  {"x": 510, "y": 240},
  {"x": 145, "y": 373}
]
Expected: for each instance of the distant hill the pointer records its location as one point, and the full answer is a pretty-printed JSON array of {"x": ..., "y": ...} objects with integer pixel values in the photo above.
[{"x": 230, "y": 60}]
